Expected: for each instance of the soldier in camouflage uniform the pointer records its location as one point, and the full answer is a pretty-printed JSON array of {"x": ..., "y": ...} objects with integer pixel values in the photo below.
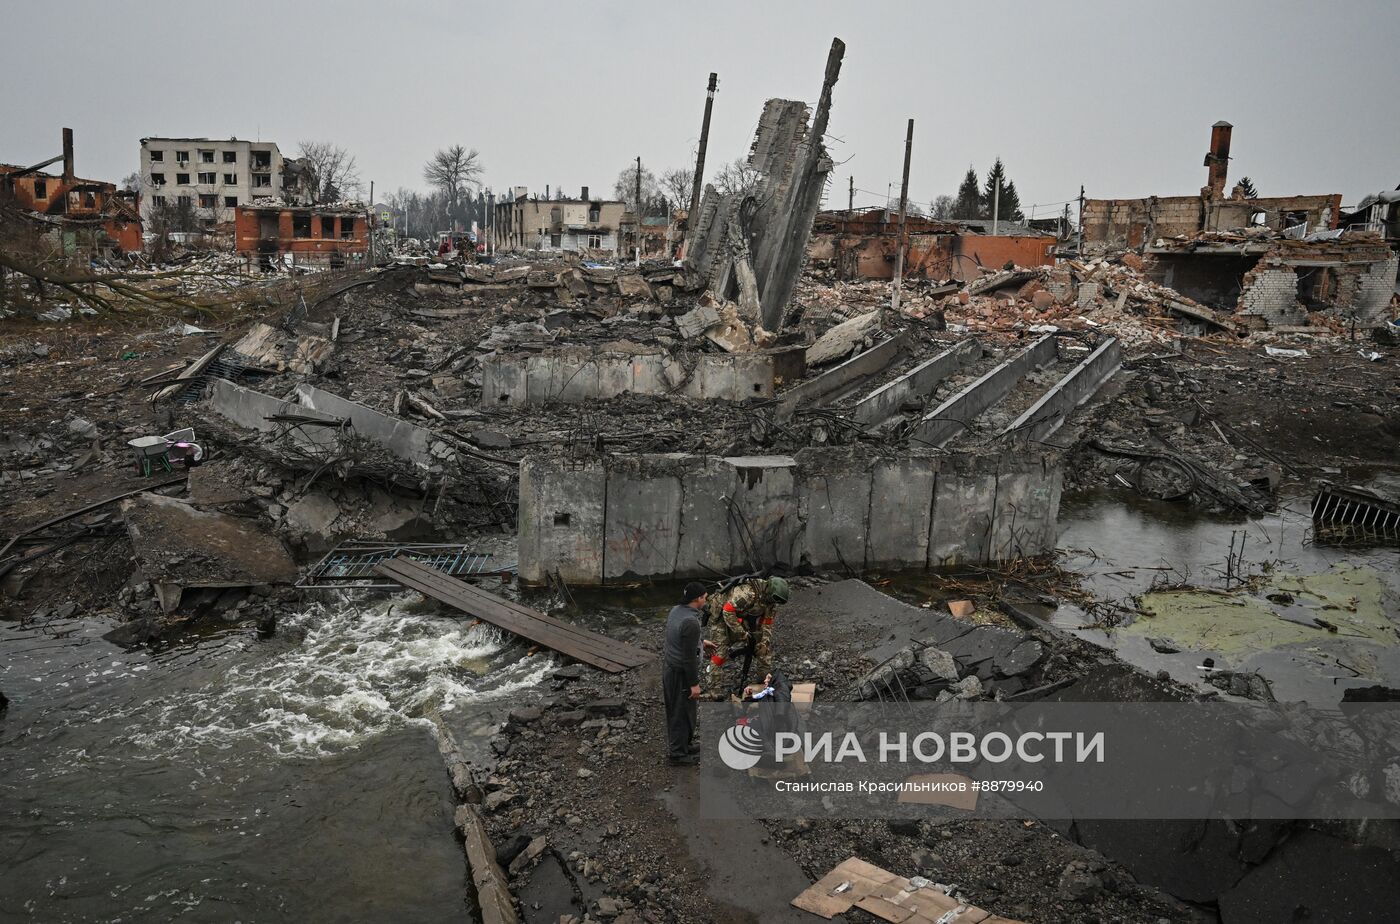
[{"x": 739, "y": 615}]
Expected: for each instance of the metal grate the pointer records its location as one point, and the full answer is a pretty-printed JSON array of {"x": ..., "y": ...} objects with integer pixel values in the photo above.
[
  {"x": 228, "y": 365},
  {"x": 1354, "y": 513},
  {"x": 351, "y": 564}
]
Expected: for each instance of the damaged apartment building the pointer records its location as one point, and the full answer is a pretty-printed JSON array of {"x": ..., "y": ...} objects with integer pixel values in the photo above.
[
  {"x": 1270, "y": 260},
  {"x": 525, "y": 222}
]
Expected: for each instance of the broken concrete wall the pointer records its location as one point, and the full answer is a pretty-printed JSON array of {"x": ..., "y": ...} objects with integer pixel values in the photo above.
[
  {"x": 574, "y": 376},
  {"x": 405, "y": 440},
  {"x": 674, "y": 515},
  {"x": 1270, "y": 291}
]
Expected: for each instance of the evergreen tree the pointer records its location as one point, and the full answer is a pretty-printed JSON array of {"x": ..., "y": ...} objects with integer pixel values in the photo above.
[
  {"x": 1008, "y": 203},
  {"x": 969, "y": 201}
]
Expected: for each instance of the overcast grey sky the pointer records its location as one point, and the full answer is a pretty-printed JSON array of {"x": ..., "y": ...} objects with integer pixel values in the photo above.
[{"x": 1117, "y": 95}]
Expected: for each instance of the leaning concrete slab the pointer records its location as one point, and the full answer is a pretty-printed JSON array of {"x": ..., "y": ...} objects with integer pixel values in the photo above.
[
  {"x": 884, "y": 402},
  {"x": 405, "y": 440},
  {"x": 178, "y": 547},
  {"x": 1054, "y": 407},
  {"x": 253, "y": 410},
  {"x": 951, "y": 417},
  {"x": 860, "y": 366}
]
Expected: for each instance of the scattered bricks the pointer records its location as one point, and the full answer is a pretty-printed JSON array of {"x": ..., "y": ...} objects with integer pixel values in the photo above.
[
  {"x": 961, "y": 608},
  {"x": 1042, "y": 300},
  {"x": 964, "y": 297}
]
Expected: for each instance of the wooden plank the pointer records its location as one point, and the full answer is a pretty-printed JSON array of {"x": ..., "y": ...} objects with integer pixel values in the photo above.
[
  {"x": 580, "y": 644},
  {"x": 451, "y": 591}
]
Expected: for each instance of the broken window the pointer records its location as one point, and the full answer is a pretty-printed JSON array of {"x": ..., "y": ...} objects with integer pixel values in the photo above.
[
  {"x": 207, "y": 179},
  {"x": 262, "y": 179},
  {"x": 182, "y": 201},
  {"x": 158, "y": 201},
  {"x": 595, "y": 213},
  {"x": 206, "y": 157},
  {"x": 208, "y": 224},
  {"x": 561, "y": 519},
  {"x": 262, "y": 160},
  {"x": 182, "y": 157},
  {"x": 182, "y": 178},
  {"x": 157, "y": 179},
  {"x": 207, "y": 200},
  {"x": 347, "y": 227},
  {"x": 41, "y": 189},
  {"x": 327, "y": 226},
  {"x": 555, "y": 240},
  {"x": 595, "y": 241},
  {"x": 157, "y": 156},
  {"x": 230, "y": 157},
  {"x": 301, "y": 226},
  {"x": 230, "y": 179},
  {"x": 230, "y": 202}
]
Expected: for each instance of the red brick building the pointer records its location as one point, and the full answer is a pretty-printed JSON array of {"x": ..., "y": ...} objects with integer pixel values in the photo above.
[
  {"x": 75, "y": 204},
  {"x": 312, "y": 235}
]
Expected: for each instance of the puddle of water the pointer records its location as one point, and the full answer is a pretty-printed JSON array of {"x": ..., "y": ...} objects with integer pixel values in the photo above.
[{"x": 1127, "y": 547}]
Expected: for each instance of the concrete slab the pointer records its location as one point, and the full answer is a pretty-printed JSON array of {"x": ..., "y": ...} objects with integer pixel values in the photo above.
[
  {"x": 964, "y": 498},
  {"x": 1053, "y": 408},
  {"x": 765, "y": 517},
  {"x": 178, "y": 547},
  {"x": 561, "y": 521},
  {"x": 946, "y": 422},
  {"x": 884, "y": 402},
  {"x": 408, "y": 441},
  {"x": 642, "y": 525},
  {"x": 835, "y": 507},
  {"x": 705, "y": 541},
  {"x": 901, "y": 509}
]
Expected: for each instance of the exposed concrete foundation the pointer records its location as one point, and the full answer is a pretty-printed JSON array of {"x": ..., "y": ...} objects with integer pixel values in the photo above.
[
  {"x": 951, "y": 417},
  {"x": 1054, "y": 407},
  {"x": 655, "y": 516},
  {"x": 574, "y": 376}
]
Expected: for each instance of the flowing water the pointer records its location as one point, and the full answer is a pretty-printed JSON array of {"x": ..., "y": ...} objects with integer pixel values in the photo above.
[{"x": 229, "y": 778}]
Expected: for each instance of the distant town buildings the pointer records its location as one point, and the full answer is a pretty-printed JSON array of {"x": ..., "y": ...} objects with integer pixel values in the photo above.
[{"x": 86, "y": 215}]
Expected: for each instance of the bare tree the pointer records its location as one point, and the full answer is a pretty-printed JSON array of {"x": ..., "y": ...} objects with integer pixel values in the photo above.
[
  {"x": 450, "y": 171},
  {"x": 626, "y": 189},
  {"x": 738, "y": 177},
  {"x": 941, "y": 208},
  {"x": 331, "y": 170},
  {"x": 131, "y": 182},
  {"x": 676, "y": 185}
]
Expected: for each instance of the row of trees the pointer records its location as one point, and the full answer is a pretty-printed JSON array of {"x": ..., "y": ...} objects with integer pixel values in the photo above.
[{"x": 977, "y": 199}]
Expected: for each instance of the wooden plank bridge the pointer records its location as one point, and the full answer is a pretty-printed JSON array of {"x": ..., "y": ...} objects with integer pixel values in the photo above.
[{"x": 564, "y": 637}]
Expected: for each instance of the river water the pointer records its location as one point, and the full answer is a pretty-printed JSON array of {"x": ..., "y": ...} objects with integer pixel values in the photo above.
[{"x": 229, "y": 778}]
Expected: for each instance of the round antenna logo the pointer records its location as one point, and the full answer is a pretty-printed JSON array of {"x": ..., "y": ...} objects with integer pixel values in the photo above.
[{"x": 740, "y": 747}]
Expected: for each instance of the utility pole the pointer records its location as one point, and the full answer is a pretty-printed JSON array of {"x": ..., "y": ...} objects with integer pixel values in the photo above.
[
  {"x": 996, "y": 205},
  {"x": 903, "y": 220},
  {"x": 1079, "y": 245},
  {"x": 369, "y": 225},
  {"x": 851, "y": 198},
  {"x": 637, "y": 213},
  {"x": 699, "y": 181}
]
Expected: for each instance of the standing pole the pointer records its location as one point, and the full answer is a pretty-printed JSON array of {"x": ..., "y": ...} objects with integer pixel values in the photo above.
[
  {"x": 996, "y": 205},
  {"x": 699, "y": 180},
  {"x": 1079, "y": 245},
  {"x": 637, "y": 214},
  {"x": 369, "y": 222},
  {"x": 903, "y": 221}
]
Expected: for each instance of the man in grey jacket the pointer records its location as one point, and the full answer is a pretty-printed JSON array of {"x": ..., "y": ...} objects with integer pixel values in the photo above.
[{"x": 680, "y": 674}]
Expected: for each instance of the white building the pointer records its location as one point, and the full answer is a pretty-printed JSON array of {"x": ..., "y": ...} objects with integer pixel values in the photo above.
[{"x": 213, "y": 177}]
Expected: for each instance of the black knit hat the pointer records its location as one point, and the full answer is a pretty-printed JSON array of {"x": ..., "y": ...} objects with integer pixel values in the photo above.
[{"x": 693, "y": 591}]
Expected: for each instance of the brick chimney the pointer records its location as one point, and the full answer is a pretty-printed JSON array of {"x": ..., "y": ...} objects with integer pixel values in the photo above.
[
  {"x": 67, "y": 155},
  {"x": 584, "y": 195},
  {"x": 1218, "y": 160}
]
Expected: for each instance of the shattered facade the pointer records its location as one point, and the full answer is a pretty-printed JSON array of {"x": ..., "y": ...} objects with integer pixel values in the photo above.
[
  {"x": 329, "y": 235},
  {"x": 523, "y": 222}
]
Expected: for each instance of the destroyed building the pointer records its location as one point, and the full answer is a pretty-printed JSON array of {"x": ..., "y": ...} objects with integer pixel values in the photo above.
[
  {"x": 88, "y": 216},
  {"x": 273, "y": 232},
  {"x": 864, "y": 243},
  {"x": 525, "y": 222},
  {"x": 212, "y": 176},
  {"x": 1272, "y": 260}
]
